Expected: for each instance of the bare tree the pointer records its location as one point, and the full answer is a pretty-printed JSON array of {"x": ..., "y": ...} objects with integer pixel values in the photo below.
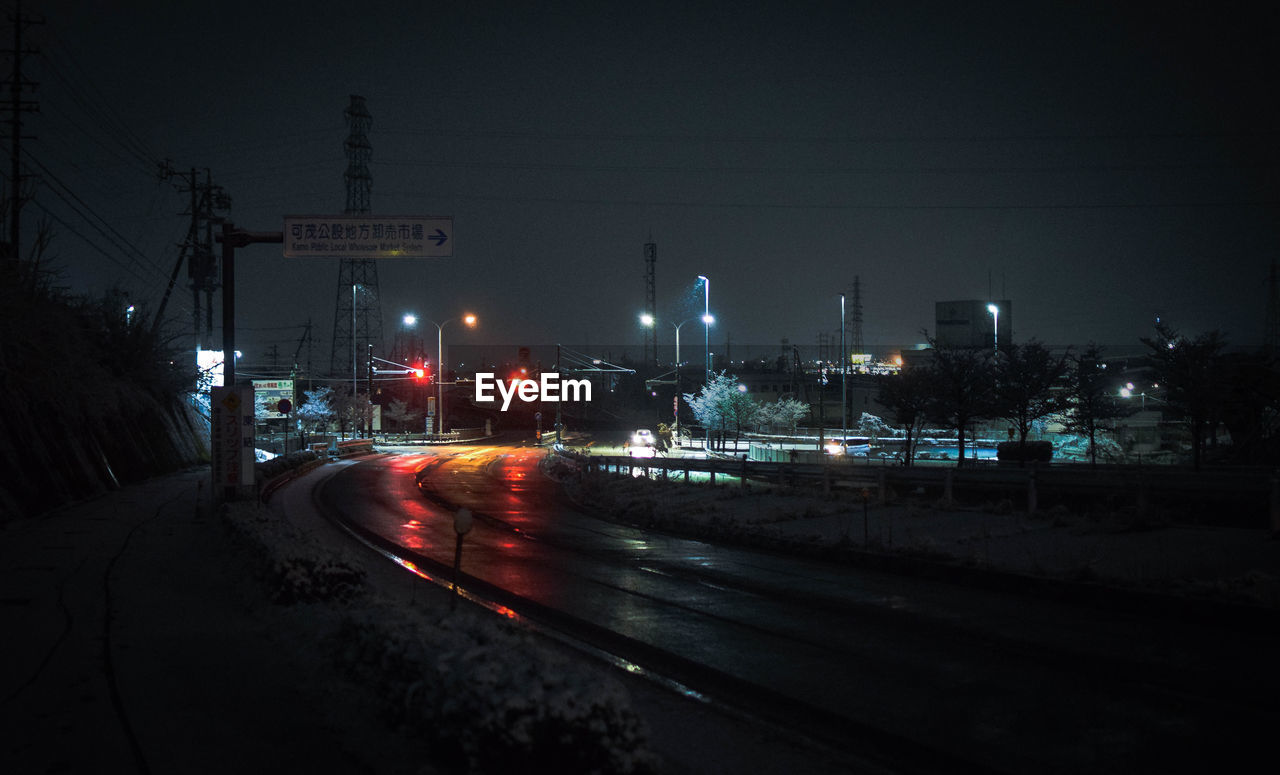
[
  {"x": 720, "y": 404},
  {"x": 908, "y": 397},
  {"x": 961, "y": 389},
  {"x": 1187, "y": 370},
  {"x": 1025, "y": 378},
  {"x": 1091, "y": 397},
  {"x": 782, "y": 414},
  {"x": 398, "y": 411},
  {"x": 316, "y": 410}
]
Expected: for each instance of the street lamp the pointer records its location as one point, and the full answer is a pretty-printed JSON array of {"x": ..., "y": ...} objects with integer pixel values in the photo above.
[
  {"x": 354, "y": 386},
  {"x": 844, "y": 372},
  {"x": 469, "y": 321},
  {"x": 648, "y": 321},
  {"x": 995, "y": 326},
  {"x": 707, "y": 320}
]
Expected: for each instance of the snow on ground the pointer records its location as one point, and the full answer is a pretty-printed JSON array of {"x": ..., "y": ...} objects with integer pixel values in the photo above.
[{"x": 1230, "y": 563}]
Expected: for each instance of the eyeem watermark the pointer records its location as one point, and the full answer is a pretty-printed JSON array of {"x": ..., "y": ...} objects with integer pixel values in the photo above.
[{"x": 548, "y": 387}]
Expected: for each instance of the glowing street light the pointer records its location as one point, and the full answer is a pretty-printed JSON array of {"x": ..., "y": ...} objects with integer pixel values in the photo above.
[
  {"x": 469, "y": 321},
  {"x": 995, "y": 326},
  {"x": 707, "y": 320},
  {"x": 648, "y": 321}
]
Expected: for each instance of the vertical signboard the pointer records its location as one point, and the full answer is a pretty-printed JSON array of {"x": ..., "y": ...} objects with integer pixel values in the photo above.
[
  {"x": 232, "y": 442},
  {"x": 248, "y": 442}
]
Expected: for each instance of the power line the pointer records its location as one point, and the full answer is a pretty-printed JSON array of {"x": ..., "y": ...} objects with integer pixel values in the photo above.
[
  {"x": 115, "y": 236},
  {"x": 826, "y": 170},
  {"x": 101, "y": 113},
  {"x": 632, "y": 137},
  {"x": 840, "y": 207},
  {"x": 128, "y": 267}
]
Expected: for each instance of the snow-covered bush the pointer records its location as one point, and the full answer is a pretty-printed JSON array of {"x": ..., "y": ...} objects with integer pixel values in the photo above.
[
  {"x": 278, "y": 464},
  {"x": 871, "y": 425},
  {"x": 294, "y": 567},
  {"x": 310, "y": 579},
  {"x": 489, "y": 698}
]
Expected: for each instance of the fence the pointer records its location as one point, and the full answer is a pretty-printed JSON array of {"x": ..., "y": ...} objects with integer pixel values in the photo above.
[
  {"x": 1235, "y": 498},
  {"x": 455, "y": 436}
]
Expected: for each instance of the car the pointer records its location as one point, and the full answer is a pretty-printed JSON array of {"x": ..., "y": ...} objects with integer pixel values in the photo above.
[
  {"x": 859, "y": 446},
  {"x": 643, "y": 437}
]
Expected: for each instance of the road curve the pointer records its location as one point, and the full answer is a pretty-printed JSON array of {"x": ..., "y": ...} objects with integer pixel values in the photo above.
[{"x": 913, "y": 672}]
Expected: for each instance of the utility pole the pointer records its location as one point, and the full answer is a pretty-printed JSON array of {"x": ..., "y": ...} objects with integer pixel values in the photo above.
[
  {"x": 206, "y": 199},
  {"x": 18, "y": 87},
  {"x": 1271, "y": 334}
]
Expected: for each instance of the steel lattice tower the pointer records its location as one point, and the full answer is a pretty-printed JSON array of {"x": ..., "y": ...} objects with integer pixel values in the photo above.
[
  {"x": 651, "y": 297},
  {"x": 357, "y": 318},
  {"x": 854, "y": 335}
]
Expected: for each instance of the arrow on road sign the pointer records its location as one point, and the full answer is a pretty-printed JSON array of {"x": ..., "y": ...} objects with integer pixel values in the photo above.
[{"x": 440, "y": 237}]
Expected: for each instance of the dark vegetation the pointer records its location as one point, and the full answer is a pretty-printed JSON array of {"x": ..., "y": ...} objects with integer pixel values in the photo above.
[{"x": 93, "y": 398}]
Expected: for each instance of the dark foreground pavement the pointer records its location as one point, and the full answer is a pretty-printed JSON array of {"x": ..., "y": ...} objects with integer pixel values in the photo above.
[{"x": 133, "y": 641}]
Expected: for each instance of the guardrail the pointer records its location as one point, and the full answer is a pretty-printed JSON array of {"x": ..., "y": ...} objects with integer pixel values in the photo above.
[
  {"x": 459, "y": 435},
  {"x": 1241, "y": 498},
  {"x": 345, "y": 447}
]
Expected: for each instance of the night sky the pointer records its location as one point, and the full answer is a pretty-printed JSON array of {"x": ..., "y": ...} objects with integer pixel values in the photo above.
[{"x": 1095, "y": 165}]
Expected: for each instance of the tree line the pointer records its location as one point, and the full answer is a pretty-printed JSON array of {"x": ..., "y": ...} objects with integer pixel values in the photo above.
[{"x": 1194, "y": 382}]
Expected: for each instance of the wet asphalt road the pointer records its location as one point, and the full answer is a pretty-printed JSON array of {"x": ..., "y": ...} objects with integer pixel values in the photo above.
[{"x": 1001, "y": 681}]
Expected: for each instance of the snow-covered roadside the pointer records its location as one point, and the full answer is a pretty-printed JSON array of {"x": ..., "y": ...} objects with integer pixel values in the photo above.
[
  {"x": 1236, "y": 565},
  {"x": 481, "y": 692}
]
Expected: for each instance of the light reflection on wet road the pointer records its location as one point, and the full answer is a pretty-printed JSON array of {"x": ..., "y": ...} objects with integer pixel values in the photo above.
[{"x": 839, "y": 638}]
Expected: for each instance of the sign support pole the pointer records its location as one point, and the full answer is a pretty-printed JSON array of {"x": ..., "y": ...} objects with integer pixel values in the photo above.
[{"x": 232, "y": 238}]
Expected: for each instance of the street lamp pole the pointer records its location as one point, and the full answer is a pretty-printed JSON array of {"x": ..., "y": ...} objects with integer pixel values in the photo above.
[
  {"x": 844, "y": 393},
  {"x": 440, "y": 377},
  {"x": 649, "y": 321},
  {"x": 355, "y": 385},
  {"x": 706, "y": 343},
  {"x": 706, "y": 327},
  {"x": 995, "y": 327},
  {"x": 470, "y": 320},
  {"x": 354, "y": 388}
]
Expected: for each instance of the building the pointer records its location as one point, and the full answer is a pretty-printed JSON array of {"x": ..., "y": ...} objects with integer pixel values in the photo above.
[{"x": 971, "y": 323}]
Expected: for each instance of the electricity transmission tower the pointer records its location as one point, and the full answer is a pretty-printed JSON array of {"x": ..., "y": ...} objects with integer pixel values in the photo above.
[
  {"x": 357, "y": 318},
  {"x": 853, "y": 323}
]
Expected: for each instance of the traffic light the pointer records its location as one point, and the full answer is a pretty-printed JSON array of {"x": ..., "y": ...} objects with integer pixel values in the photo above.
[{"x": 420, "y": 374}]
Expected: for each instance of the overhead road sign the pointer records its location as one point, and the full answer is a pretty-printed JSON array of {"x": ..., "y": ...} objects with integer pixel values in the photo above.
[{"x": 368, "y": 236}]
